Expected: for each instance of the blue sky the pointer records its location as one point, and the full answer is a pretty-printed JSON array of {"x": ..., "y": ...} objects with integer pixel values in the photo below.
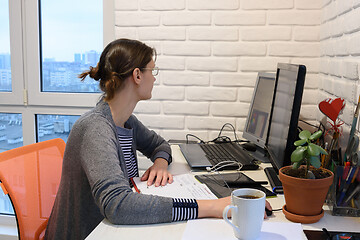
[
  {"x": 4, "y": 27},
  {"x": 68, "y": 27}
]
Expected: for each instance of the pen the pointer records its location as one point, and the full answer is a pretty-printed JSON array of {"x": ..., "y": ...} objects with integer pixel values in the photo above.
[
  {"x": 345, "y": 186},
  {"x": 352, "y": 194},
  {"x": 355, "y": 175}
]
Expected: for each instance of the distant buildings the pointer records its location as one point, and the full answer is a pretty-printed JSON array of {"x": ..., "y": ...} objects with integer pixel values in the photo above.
[
  {"x": 57, "y": 76},
  {"x": 5, "y": 72}
]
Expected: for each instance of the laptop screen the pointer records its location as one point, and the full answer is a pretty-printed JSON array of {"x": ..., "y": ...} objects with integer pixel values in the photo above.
[{"x": 257, "y": 121}]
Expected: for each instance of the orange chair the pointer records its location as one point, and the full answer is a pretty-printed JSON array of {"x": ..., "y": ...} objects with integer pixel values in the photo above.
[{"x": 30, "y": 175}]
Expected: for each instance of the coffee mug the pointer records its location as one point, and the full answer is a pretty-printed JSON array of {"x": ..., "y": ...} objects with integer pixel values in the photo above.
[{"x": 247, "y": 212}]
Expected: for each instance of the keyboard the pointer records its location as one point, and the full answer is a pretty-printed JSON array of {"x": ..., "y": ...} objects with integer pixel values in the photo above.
[
  {"x": 274, "y": 180},
  {"x": 220, "y": 152}
]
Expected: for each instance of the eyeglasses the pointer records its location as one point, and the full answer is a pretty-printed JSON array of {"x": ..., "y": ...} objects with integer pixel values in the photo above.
[{"x": 154, "y": 71}]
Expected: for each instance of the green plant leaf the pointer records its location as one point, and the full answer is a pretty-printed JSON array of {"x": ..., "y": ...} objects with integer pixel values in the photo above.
[
  {"x": 316, "y": 135},
  {"x": 323, "y": 151},
  {"x": 296, "y": 165},
  {"x": 300, "y": 142},
  {"x": 315, "y": 161},
  {"x": 313, "y": 150},
  {"x": 298, "y": 154},
  {"x": 305, "y": 134}
]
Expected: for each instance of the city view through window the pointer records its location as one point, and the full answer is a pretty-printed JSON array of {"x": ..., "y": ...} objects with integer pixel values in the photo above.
[
  {"x": 71, "y": 40},
  {"x": 61, "y": 76}
]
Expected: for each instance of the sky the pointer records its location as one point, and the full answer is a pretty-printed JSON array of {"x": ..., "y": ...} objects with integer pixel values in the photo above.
[
  {"x": 4, "y": 27},
  {"x": 65, "y": 30}
]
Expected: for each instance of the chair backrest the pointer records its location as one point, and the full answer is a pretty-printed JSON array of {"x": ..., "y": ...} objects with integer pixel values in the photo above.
[{"x": 31, "y": 177}]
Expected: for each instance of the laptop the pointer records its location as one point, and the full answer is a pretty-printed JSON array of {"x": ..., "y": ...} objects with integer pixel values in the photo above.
[
  {"x": 258, "y": 119},
  {"x": 211, "y": 156}
]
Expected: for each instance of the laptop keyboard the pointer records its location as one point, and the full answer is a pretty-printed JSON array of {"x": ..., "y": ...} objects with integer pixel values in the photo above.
[{"x": 217, "y": 153}]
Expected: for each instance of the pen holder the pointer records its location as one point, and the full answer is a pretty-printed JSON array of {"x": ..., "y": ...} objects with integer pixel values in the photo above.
[{"x": 344, "y": 194}]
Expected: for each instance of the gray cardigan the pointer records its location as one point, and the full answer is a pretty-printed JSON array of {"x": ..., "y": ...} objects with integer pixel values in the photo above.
[{"x": 94, "y": 183}]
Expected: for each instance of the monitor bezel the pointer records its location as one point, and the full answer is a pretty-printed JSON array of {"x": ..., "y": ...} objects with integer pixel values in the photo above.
[
  {"x": 247, "y": 135},
  {"x": 295, "y": 113}
]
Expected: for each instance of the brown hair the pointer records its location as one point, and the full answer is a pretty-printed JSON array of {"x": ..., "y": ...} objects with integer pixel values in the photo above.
[{"x": 117, "y": 62}]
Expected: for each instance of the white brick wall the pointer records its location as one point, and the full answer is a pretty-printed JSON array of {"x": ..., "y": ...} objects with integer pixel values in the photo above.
[
  {"x": 340, "y": 51},
  {"x": 210, "y": 51}
]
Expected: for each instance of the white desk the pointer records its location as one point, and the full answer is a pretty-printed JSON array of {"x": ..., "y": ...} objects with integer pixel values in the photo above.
[{"x": 105, "y": 230}]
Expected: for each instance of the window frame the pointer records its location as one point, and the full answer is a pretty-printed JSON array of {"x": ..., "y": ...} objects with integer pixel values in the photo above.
[
  {"x": 26, "y": 97},
  {"x": 32, "y": 51},
  {"x": 17, "y": 71}
]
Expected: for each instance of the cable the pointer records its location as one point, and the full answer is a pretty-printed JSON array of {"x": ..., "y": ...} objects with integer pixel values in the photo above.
[
  {"x": 318, "y": 127},
  {"x": 233, "y": 128},
  {"x": 191, "y": 135},
  {"x": 219, "y": 138},
  {"x": 228, "y": 163},
  {"x": 275, "y": 210}
]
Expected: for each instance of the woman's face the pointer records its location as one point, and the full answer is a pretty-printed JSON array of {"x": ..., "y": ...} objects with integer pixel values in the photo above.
[{"x": 147, "y": 82}]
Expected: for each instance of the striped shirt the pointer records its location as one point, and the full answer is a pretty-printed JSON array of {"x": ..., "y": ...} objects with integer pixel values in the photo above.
[
  {"x": 183, "y": 209},
  {"x": 125, "y": 137}
]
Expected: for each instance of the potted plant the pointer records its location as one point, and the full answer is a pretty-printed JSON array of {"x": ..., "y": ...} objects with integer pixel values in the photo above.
[{"x": 305, "y": 183}]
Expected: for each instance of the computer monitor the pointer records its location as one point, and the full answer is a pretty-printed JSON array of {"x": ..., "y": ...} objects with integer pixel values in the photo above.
[
  {"x": 283, "y": 130},
  {"x": 257, "y": 121}
]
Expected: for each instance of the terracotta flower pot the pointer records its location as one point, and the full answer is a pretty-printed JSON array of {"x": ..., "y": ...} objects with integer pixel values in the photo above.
[{"x": 304, "y": 197}]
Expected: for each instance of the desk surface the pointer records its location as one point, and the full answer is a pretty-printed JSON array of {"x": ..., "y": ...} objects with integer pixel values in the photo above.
[{"x": 106, "y": 230}]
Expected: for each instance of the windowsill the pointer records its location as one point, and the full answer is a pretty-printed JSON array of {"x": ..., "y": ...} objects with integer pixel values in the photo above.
[{"x": 8, "y": 228}]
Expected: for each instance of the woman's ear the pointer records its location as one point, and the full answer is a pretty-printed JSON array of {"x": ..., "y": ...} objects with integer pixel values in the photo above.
[{"x": 137, "y": 75}]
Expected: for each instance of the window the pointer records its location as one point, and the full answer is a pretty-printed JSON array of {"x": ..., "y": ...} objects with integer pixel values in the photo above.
[
  {"x": 5, "y": 65},
  {"x": 10, "y": 131},
  {"x": 71, "y": 43},
  {"x": 10, "y": 137},
  {"x": 54, "y": 126},
  {"x": 40, "y": 94}
]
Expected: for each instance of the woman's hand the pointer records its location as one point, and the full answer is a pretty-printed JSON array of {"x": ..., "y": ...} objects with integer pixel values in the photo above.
[
  {"x": 158, "y": 172},
  {"x": 268, "y": 206},
  {"x": 215, "y": 208}
]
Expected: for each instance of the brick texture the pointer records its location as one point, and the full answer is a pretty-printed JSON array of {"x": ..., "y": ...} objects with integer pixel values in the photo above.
[{"x": 209, "y": 53}]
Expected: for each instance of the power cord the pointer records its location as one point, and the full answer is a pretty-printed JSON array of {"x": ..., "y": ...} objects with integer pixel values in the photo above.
[
  {"x": 191, "y": 135},
  {"x": 219, "y": 138},
  {"x": 232, "y": 127},
  {"x": 224, "y": 164}
]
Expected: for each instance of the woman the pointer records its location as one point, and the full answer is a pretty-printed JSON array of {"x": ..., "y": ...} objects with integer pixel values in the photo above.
[{"x": 100, "y": 154}]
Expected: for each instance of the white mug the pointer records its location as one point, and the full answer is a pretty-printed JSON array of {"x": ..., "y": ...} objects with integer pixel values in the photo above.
[{"x": 247, "y": 213}]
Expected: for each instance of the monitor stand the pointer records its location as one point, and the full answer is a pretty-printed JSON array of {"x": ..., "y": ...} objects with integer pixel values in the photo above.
[
  {"x": 274, "y": 180},
  {"x": 260, "y": 154}
]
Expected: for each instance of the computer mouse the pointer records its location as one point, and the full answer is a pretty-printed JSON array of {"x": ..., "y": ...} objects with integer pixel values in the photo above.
[
  {"x": 268, "y": 212},
  {"x": 249, "y": 146}
]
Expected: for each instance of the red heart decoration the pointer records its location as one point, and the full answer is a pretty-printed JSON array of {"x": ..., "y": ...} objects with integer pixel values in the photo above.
[{"x": 332, "y": 107}]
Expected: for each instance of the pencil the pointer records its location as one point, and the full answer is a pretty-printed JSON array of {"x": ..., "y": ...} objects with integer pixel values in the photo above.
[{"x": 135, "y": 187}]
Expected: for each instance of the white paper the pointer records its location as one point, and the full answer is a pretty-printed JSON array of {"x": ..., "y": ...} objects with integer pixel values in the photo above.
[
  {"x": 183, "y": 186},
  {"x": 208, "y": 229}
]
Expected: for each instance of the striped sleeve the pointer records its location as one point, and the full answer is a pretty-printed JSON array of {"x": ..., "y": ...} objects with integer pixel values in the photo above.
[{"x": 184, "y": 209}]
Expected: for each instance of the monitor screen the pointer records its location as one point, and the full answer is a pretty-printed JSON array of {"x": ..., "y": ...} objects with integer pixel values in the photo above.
[
  {"x": 257, "y": 121},
  {"x": 285, "y": 112}
]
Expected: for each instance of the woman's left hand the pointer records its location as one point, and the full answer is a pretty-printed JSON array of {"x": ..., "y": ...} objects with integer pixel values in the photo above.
[{"x": 158, "y": 172}]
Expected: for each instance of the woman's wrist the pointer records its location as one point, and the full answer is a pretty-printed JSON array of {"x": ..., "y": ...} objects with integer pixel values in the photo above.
[
  {"x": 212, "y": 208},
  {"x": 207, "y": 208}
]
